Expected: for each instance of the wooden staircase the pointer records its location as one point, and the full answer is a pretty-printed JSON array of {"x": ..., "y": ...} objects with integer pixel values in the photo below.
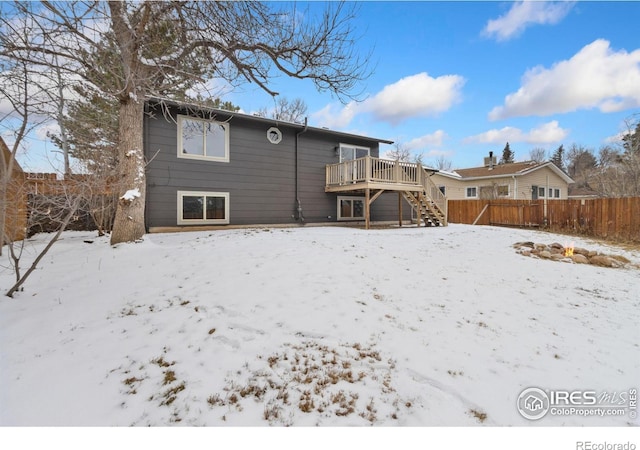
[
  {"x": 428, "y": 212},
  {"x": 371, "y": 174}
]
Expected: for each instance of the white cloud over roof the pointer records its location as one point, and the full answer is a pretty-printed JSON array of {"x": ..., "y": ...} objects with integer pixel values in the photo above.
[
  {"x": 524, "y": 14},
  {"x": 544, "y": 134},
  {"x": 434, "y": 139},
  {"x": 595, "y": 77},
  {"x": 417, "y": 95}
]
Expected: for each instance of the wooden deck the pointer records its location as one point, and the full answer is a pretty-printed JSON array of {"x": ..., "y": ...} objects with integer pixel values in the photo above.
[{"x": 411, "y": 180}]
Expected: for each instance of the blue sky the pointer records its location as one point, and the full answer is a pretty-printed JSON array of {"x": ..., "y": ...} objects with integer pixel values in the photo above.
[{"x": 462, "y": 78}]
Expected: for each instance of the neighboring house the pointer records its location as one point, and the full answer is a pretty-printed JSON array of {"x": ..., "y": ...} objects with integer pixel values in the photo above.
[
  {"x": 211, "y": 167},
  {"x": 527, "y": 180},
  {"x": 16, "y": 197}
]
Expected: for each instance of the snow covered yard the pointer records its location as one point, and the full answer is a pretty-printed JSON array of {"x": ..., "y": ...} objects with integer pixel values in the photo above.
[{"x": 313, "y": 326}]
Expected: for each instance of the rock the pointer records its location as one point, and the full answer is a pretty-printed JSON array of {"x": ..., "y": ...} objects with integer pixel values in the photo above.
[
  {"x": 602, "y": 261},
  {"x": 620, "y": 259},
  {"x": 546, "y": 254},
  {"x": 592, "y": 253},
  {"x": 557, "y": 256},
  {"x": 615, "y": 263},
  {"x": 540, "y": 247},
  {"x": 557, "y": 251},
  {"x": 581, "y": 251},
  {"x": 557, "y": 245},
  {"x": 528, "y": 244},
  {"x": 525, "y": 253},
  {"x": 579, "y": 259}
]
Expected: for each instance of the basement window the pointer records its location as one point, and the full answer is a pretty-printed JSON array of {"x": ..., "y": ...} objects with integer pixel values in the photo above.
[
  {"x": 471, "y": 192},
  {"x": 350, "y": 208},
  {"x": 203, "y": 208}
]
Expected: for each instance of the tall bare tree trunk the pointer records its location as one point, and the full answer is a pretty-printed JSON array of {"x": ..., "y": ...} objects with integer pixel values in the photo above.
[{"x": 129, "y": 221}]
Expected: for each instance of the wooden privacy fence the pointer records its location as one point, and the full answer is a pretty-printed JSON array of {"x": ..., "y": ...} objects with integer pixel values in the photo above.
[{"x": 608, "y": 218}]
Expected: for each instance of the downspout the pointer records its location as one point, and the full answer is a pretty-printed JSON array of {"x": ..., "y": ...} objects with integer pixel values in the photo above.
[{"x": 298, "y": 206}]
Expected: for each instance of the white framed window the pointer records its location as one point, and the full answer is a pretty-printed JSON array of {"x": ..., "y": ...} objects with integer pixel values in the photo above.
[
  {"x": 556, "y": 193},
  {"x": 350, "y": 208},
  {"x": 541, "y": 192},
  {"x": 471, "y": 192},
  {"x": 350, "y": 152},
  {"x": 203, "y": 139},
  {"x": 203, "y": 208},
  {"x": 503, "y": 190},
  {"x": 443, "y": 189}
]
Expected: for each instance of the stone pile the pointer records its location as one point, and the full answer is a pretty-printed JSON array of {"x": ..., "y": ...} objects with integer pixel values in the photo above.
[{"x": 556, "y": 252}]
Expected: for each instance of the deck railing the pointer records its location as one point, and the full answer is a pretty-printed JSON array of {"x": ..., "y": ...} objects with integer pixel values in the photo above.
[
  {"x": 370, "y": 169},
  {"x": 374, "y": 170}
]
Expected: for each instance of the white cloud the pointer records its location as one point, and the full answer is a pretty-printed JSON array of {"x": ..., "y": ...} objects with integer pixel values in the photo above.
[
  {"x": 547, "y": 133},
  {"x": 333, "y": 117},
  {"x": 414, "y": 96},
  {"x": 523, "y": 14},
  {"x": 595, "y": 77},
  {"x": 433, "y": 139},
  {"x": 417, "y": 95}
]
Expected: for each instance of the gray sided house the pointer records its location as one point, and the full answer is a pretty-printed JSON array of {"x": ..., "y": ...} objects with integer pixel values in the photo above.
[{"x": 212, "y": 167}]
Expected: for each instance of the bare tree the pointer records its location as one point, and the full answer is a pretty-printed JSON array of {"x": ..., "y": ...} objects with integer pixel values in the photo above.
[
  {"x": 581, "y": 164},
  {"x": 538, "y": 154},
  {"x": 399, "y": 153},
  {"x": 442, "y": 163},
  {"x": 286, "y": 110},
  {"x": 617, "y": 172},
  {"x": 134, "y": 50},
  {"x": 58, "y": 206},
  {"x": 28, "y": 101},
  {"x": 23, "y": 103}
]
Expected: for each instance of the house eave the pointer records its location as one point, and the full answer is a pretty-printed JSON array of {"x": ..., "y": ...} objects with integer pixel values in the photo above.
[
  {"x": 272, "y": 122},
  {"x": 521, "y": 173}
]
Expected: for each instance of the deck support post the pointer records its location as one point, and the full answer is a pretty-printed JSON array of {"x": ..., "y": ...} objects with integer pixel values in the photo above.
[
  {"x": 400, "y": 209},
  {"x": 419, "y": 212},
  {"x": 367, "y": 208}
]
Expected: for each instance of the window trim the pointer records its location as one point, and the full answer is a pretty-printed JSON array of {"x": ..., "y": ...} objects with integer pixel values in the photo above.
[
  {"x": 179, "y": 204},
  {"x": 204, "y": 157},
  {"x": 466, "y": 192},
  {"x": 352, "y": 198}
]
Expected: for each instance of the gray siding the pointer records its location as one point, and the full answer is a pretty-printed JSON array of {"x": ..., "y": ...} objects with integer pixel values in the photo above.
[{"x": 259, "y": 177}]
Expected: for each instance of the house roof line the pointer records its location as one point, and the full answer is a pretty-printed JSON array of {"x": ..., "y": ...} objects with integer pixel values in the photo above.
[
  {"x": 518, "y": 170},
  {"x": 265, "y": 120}
]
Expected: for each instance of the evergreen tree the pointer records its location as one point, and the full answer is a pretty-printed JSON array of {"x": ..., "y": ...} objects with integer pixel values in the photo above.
[
  {"x": 631, "y": 141},
  {"x": 558, "y": 158},
  {"x": 507, "y": 155}
]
